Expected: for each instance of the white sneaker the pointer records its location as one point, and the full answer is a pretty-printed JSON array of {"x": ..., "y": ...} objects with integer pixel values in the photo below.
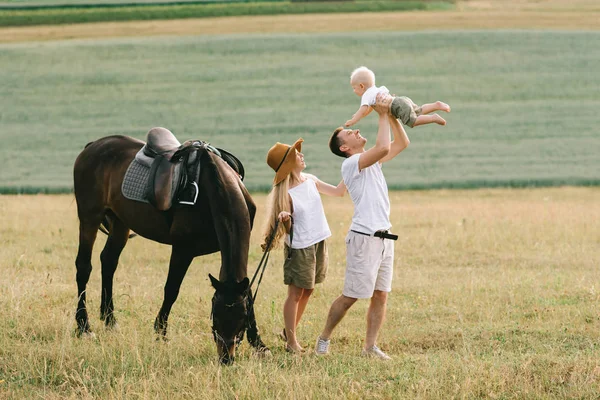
[
  {"x": 322, "y": 346},
  {"x": 375, "y": 352}
]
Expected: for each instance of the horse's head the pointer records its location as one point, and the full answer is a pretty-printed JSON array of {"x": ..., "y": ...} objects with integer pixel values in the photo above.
[{"x": 229, "y": 315}]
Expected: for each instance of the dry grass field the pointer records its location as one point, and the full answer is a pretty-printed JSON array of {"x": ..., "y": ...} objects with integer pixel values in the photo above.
[
  {"x": 495, "y": 295},
  {"x": 475, "y": 14}
]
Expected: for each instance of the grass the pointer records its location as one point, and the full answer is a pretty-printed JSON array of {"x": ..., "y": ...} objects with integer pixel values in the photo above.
[
  {"x": 109, "y": 12},
  {"x": 575, "y": 15},
  {"x": 494, "y": 290},
  {"x": 523, "y": 103},
  {"x": 52, "y": 3},
  {"x": 494, "y": 296},
  {"x": 473, "y": 17}
]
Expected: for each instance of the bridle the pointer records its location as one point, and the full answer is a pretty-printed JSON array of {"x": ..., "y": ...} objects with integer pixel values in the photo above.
[
  {"x": 249, "y": 299},
  {"x": 240, "y": 336}
]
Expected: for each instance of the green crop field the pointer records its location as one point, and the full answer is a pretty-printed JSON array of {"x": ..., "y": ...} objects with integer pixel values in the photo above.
[
  {"x": 524, "y": 104},
  {"x": 49, "y": 14},
  {"x": 120, "y": 2}
]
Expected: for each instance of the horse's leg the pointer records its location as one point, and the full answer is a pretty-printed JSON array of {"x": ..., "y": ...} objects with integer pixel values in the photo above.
[
  {"x": 87, "y": 236},
  {"x": 178, "y": 266},
  {"x": 253, "y": 335},
  {"x": 117, "y": 239}
]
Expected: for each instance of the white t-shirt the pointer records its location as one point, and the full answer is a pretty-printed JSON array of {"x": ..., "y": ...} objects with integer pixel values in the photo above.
[
  {"x": 369, "y": 193},
  {"x": 369, "y": 97},
  {"x": 310, "y": 224}
]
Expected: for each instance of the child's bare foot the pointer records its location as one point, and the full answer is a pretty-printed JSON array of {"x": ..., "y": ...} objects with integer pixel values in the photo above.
[
  {"x": 442, "y": 107},
  {"x": 438, "y": 119}
]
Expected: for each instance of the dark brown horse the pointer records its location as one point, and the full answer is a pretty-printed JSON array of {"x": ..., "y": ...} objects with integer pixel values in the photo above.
[{"x": 221, "y": 219}]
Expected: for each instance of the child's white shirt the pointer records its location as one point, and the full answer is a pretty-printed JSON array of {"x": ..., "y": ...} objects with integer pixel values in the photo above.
[{"x": 369, "y": 98}]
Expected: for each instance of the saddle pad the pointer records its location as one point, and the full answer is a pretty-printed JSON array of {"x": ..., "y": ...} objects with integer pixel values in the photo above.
[{"x": 135, "y": 181}]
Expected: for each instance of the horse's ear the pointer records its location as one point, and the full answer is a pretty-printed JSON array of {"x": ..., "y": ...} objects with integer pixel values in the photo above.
[
  {"x": 215, "y": 282},
  {"x": 243, "y": 285}
]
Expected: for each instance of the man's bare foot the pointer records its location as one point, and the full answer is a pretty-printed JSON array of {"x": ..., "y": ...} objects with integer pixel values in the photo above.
[
  {"x": 442, "y": 106},
  {"x": 438, "y": 120}
]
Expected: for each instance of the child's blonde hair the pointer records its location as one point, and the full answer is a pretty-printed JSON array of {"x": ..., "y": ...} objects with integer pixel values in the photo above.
[
  {"x": 277, "y": 201},
  {"x": 363, "y": 75}
]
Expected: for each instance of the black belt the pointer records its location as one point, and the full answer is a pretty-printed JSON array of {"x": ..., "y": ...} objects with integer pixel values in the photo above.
[{"x": 380, "y": 234}]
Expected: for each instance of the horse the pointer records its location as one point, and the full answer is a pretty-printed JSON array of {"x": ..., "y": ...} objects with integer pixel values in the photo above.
[{"x": 220, "y": 220}]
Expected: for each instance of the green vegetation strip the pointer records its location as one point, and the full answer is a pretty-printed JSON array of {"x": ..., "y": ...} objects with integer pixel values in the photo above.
[
  {"x": 31, "y": 5},
  {"x": 265, "y": 188},
  {"x": 72, "y": 15},
  {"x": 243, "y": 93}
]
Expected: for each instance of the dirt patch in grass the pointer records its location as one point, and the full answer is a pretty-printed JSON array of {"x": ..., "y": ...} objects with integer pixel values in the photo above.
[{"x": 513, "y": 14}]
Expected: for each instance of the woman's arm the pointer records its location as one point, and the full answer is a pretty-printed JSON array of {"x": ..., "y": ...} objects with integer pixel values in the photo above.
[
  {"x": 327, "y": 189},
  {"x": 285, "y": 217}
]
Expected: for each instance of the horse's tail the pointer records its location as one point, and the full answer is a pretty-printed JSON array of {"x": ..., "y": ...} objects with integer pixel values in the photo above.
[{"x": 105, "y": 227}]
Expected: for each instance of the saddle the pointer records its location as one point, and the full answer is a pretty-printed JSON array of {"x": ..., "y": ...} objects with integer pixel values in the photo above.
[{"x": 165, "y": 172}]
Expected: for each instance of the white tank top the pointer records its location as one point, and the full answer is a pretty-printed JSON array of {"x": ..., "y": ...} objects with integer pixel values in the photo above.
[{"x": 310, "y": 224}]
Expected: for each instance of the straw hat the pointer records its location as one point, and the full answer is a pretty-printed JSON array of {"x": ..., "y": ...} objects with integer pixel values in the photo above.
[{"x": 282, "y": 158}]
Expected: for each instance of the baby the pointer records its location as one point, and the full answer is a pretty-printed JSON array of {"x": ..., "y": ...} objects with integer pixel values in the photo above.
[{"x": 402, "y": 108}]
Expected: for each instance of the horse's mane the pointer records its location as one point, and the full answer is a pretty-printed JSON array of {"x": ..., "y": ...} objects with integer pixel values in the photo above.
[{"x": 212, "y": 168}]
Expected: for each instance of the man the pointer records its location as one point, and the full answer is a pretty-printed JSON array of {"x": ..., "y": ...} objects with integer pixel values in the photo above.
[{"x": 369, "y": 246}]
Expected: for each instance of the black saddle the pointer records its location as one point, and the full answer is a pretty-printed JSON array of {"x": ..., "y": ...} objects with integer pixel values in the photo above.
[{"x": 175, "y": 168}]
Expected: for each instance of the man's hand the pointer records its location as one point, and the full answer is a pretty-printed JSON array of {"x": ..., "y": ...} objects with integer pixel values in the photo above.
[
  {"x": 382, "y": 106},
  {"x": 284, "y": 216},
  {"x": 349, "y": 123}
]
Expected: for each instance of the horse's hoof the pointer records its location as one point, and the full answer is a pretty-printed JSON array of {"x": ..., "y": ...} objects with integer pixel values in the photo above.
[
  {"x": 84, "y": 332},
  {"x": 114, "y": 327},
  {"x": 89, "y": 335},
  {"x": 264, "y": 352}
]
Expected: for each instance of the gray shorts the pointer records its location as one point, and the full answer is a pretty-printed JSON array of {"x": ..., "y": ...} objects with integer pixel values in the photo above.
[
  {"x": 369, "y": 265},
  {"x": 405, "y": 110},
  {"x": 307, "y": 266}
]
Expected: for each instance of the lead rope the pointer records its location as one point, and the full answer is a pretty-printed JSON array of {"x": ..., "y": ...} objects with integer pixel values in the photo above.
[
  {"x": 265, "y": 258},
  {"x": 263, "y": 263}
]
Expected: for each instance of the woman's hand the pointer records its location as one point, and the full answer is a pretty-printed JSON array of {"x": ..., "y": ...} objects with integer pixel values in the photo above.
[{"x": 284, "y": 216}]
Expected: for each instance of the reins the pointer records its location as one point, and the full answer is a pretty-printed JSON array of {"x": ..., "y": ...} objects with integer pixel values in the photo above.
[
  {"x": 265, "y": 258},
  {"x": 263, "y": 265}
]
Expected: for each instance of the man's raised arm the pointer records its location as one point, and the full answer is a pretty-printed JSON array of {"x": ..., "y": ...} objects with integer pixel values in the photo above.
[
  {"x": 382, "y": 142},
  {"x": 400, "y": 139}
]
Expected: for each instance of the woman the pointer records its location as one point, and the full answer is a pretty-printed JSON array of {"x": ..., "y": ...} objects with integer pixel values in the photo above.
[{"x": 295, "y": 196}]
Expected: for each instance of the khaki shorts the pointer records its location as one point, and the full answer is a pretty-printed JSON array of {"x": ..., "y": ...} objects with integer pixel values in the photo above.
[
  {"x": 369, "y": 265},
  {"x": 307, "y": 266},
  {"x": 405, "y": 110}
]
